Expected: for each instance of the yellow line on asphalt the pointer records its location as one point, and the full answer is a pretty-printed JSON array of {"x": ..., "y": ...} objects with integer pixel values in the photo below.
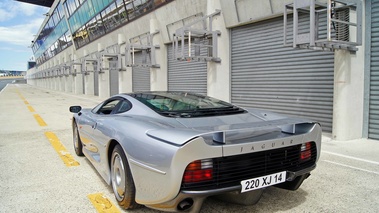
[
  {"x": 39, "y": 120},
  {"x": 22, "y": 97},
  {"x": 31, "y": 109},
  {"x": 19, "y": 94},
  {"x": 102, "y": 204},
  {"x": 61, "y": 150}
]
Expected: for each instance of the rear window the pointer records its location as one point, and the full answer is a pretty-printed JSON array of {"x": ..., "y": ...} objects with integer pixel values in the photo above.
[{"x": 185, "y": 104}]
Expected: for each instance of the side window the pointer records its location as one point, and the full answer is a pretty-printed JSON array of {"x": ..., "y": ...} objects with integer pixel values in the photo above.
[
  {"x": 123, "y": 106},
  {"x": 107, "y": 108}
]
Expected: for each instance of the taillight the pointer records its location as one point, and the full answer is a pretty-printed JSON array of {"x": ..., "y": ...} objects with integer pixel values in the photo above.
[
  {"x": 305, "y": 151},
  {"x": 197, "y": 171}
]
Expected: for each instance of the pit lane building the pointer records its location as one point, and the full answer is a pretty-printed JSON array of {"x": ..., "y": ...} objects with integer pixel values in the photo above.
[{"x": 316, "y": 59}]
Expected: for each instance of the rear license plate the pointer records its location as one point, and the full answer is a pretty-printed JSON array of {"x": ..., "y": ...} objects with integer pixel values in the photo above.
[{"x": 264, "y": 181}]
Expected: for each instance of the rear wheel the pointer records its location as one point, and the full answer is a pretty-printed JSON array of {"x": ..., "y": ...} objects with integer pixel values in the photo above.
[
  {"x": 78, "y": 146},
  {"x": 122, "y": 180}
]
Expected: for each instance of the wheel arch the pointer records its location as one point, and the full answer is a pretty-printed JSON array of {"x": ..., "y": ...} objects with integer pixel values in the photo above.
[{"x": 112, "y": 144}]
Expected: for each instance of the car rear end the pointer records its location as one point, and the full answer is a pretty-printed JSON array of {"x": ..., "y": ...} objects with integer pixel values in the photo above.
[{"x": 247, "y": 160}]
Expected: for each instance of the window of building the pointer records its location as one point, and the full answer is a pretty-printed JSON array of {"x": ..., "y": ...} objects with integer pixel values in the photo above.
[
  {"x": 122, "y": 14},
  {"x": 95, "y": 28}
]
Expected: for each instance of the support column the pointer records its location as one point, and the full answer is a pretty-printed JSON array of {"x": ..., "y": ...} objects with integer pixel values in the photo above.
[
  {"x": 218, "y": 76},
  {"x": 158, "y": 76},
  {"x": 104, "y": 80},
  {"x": 78, "y": 78},
  {"x": 348, "y": 95},
  {"x": 125, "y": 75}
]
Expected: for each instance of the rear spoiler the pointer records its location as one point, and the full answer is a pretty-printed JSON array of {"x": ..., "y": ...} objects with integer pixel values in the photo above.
[{"x": 180, "y": 136}]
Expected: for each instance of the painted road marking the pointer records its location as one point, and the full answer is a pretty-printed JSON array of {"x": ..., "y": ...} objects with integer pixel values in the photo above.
[
  {"x": 61, "y": 150},
  {"x": 20, "y": 95},
  {"x": 31, "y": 109},
  {"x": 102, "y": 204},
  {"x": 351, "y": 167},
  {"x": 353, "y": 158},
  {"x": 39, "y": 120}
]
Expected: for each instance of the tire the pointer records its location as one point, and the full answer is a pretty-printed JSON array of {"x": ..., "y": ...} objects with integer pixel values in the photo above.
[
  {"x": 78, "y": 146},
  {"x": 122, "y": 180}
]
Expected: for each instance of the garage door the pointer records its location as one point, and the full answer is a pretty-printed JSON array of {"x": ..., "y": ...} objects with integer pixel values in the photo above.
[
  {"x": 269, "y": 76},
  {"x": 373, "y": 131},
  {"x": 186, "y": 76},
  {"x": 113, "y": 78},
  {"x": 140, "y": 75}
]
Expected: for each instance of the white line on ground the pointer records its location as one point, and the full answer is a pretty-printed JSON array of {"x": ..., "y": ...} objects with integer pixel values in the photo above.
[
  {"x": 351, "y": 157},
  {"x": 3, "y": 88},
  {"x": 351, "y": 167}
]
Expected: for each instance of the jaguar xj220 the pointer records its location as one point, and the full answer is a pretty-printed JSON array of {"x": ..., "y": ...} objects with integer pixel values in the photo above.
[{"x": 171, "y": 150}]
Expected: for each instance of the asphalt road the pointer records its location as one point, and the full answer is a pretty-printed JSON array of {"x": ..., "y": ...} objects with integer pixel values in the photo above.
[
  {"x": 34, "y": 177},
  {"x": 4, "y": 82},
  {"x": 7, "y": 80}
]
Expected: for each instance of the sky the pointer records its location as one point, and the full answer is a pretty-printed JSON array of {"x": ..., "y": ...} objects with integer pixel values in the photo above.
[{"x": 19, "y": 22}]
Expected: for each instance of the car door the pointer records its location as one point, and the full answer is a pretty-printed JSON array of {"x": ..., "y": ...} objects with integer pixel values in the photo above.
[{"x": 103, "y": 129}]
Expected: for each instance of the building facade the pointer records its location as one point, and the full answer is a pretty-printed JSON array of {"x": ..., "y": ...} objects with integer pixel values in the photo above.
[{"x": 232, "y": 50}]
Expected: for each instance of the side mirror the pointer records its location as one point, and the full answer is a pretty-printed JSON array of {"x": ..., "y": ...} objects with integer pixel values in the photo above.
[{"x": 75, "y": 109}]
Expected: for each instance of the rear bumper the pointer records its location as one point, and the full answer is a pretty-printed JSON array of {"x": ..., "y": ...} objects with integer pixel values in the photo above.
[{"x": 192, "y": 200}]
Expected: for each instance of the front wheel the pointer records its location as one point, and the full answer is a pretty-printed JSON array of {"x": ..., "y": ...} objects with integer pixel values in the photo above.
[
  {"x": 78, "y": 146},
  {"x": 122, "y": 180}
]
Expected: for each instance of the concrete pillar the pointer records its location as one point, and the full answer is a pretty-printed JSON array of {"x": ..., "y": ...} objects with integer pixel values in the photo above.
[
  {"x": 89, "y": 81},
  {"x": 348, "y": 95},
  {"x": 57, "y": 83},
  {"x": 125, "y": 80},
  {"x": 218, "y": 76},
  {"x": 348, "y": 103},
  {"x": 78, "y": 78},
  {"x": 52, "y": 83},
  {"x": 125, "y": 76},
  {"x": 104, "y": 90},
  {"x": 159, "y": 76},
  {"x": 68, "y": 83},
  {"x": 103, "y": 76},
  {"x": 62, "y": 83}
]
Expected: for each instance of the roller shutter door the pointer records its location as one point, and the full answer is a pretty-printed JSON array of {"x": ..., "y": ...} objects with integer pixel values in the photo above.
[
  {"x": 113, "y": 78},
  {"x": 269, "y": 76},
  {"x": 186, "y": 76},
  {"x": 373, "y": 131},
  {"x": 140, "y": 75}
]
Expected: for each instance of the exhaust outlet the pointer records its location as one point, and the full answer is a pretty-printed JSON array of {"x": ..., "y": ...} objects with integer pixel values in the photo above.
[{"x": 185, "y": 204}]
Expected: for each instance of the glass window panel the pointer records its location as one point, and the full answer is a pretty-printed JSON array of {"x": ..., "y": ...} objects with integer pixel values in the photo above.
[
  {"x": 65, "y": 6},
  {"x": 59, "y": 11},
  {"x": 68, "y": 38},
  {"x": 121, "y": 11},
  {"x": 130, "y": 9},
  {"x": 96, "y": 6},
  {"x": 73, "y": 5},
  {"x": 81, "y": 37},
  {"x": 95, "y": 28},
  {"x": 91, "y": 9},
  {"x": 82, "y": 12},
  {"x": 105, "y": 17}
]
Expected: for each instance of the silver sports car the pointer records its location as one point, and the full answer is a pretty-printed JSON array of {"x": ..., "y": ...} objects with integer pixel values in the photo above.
[{"x": 171, "y": 150}]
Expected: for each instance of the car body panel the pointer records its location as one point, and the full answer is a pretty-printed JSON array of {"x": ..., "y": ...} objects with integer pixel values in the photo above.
[{"x": 159, "y": 148}]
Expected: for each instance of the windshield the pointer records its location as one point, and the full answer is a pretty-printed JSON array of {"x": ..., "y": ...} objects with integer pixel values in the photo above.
[{"x": 182, "y": 104}]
